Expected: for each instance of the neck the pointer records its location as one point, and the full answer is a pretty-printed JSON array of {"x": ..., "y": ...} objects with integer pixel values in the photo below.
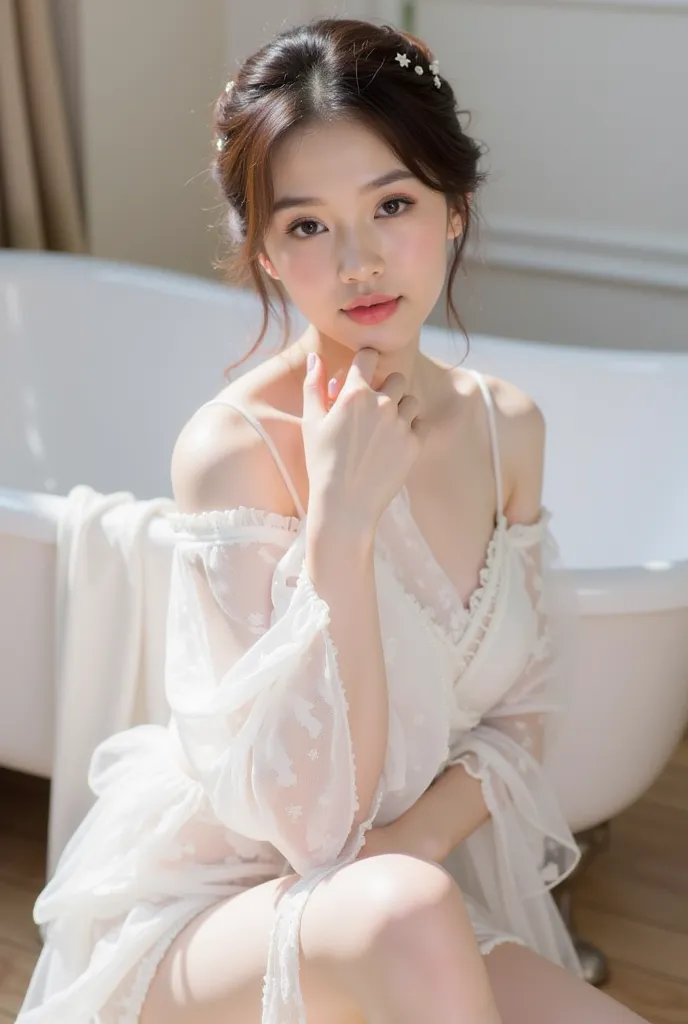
[{"x": 337, "y": 360}]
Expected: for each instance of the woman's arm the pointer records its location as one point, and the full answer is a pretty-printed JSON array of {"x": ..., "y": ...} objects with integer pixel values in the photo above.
[
  {"x": 341, "y": 567},
  {"x": 450, "y": 810},
  {"x": 328, "y": 700}
]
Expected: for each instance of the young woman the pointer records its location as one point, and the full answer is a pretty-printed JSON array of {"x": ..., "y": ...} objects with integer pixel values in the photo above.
[{"x": 359, "y": 663}]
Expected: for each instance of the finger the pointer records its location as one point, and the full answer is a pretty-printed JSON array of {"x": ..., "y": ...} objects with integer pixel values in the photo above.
[
  {"x": 409, "y": 408},
  {"x": 314, "y": 407},
  {"x": 421, "y": 428},
  {"x": 394, "y": 387},
  {"x": 335, "y": 386},
  {"x": 363, "y": 367}
]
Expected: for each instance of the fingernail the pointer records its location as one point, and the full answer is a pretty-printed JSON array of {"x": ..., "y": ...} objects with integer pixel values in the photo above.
[
  {"x": 332, "y": 387},
  {"x": 310, "y": 362}
]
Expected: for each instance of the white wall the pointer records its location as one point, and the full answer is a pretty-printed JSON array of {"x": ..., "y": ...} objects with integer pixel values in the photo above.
[
  {"x": 583, "y": 106},
  {"x": 582, "y": 103},
  {"x": 141, "y": 78},
  {"x": 251, "y": 26}
]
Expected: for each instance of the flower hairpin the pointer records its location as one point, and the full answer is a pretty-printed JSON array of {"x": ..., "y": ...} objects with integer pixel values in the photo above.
[
  {"x": 404, "y": 61},
  {"x": 221, "y": 140}
]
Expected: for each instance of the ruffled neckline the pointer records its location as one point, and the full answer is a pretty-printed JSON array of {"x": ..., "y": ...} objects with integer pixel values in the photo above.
[
  {"x": 217, "y": 523},
  {"x": 464, "y": 614},
  {"x": 464, "y": 621}
]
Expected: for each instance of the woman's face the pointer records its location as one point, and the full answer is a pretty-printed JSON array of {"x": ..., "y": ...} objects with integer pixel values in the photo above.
[{"x": 338, "y": 232}]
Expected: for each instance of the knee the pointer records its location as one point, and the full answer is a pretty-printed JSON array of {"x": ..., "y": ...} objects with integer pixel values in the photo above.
[
  {"x": 396, "y": 924},
  {"x": 409, "y": 901},
  {"x": 401, "y": 905}
]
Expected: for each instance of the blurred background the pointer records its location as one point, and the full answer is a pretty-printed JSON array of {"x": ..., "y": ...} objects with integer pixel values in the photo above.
[{"x": 581, "y": 103}]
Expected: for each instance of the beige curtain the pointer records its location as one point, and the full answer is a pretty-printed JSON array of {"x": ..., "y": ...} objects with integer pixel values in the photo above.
[{"x": 40, "y": 206}]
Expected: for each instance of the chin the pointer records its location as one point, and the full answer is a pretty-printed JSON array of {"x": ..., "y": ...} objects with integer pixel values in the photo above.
[{"x": 389, "y": 336}]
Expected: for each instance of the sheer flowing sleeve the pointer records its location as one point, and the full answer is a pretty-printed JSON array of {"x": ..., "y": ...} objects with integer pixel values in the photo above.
[
  {"x": 257, "y": 701},
  {"x": 526, "y": 847}
]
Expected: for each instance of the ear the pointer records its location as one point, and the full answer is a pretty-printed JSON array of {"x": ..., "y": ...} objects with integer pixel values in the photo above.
[
  {"x": 455, "y": 225},
  {"x": 457, "y": 220},
  {"x": 267, "y": 266}
]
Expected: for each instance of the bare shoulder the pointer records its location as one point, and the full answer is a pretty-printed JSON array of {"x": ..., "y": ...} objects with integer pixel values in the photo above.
[
  {"x": 519, "y": 416},
  {"x": 220, "y": 461},
  {"x": 521, "y": 431}
]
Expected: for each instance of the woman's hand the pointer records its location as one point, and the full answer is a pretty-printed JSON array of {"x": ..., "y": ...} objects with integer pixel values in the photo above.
[{"x": 360, "y": 450}]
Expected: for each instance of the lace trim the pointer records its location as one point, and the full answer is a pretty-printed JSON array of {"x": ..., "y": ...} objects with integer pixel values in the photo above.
[
  {"x": 476, "y": 598},
  {"x": 306, "y": 583},
  {"x": 282, "y": 996},
  {"x": 525, "y": 534},
  {"x": 128, "y": 1008},
  {"x": 500, "y": 940},
  {"x": 478, "y": 612},
  {"x": 216, "y": 522},
  {"x": 481, "y": 624},
  {"x": 463, "y": 615}
]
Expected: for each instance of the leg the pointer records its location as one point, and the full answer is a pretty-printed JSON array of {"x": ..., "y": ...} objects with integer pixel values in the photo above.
[
  {"x": 387, "y": 939},
  {"x": 531, "y": 990}
]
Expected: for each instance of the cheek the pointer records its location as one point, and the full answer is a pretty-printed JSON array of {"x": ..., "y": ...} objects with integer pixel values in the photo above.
[
  {"x": 422, "y": 247},
  {"x": 304, "y": 265}
]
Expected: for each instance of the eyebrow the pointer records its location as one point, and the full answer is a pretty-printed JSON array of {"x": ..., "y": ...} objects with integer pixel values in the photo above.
[{"x": 385, "y": 179}]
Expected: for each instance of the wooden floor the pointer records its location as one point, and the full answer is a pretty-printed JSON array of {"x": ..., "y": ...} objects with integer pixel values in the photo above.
[{"x": 633, "y": 902}]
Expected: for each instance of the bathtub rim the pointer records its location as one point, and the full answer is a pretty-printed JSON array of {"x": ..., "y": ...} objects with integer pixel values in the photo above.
[
  {"x": 621, "y": 590},
  {"x": 610, "y": 590},
  {"x": 216, "y": 288}
]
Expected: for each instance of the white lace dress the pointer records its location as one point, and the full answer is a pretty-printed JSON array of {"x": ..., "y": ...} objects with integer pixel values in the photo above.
[{"x": 254, "y": 776}]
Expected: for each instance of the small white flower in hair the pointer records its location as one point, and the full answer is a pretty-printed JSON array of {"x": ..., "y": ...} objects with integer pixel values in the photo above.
[
  {"x": 219, "y": 143},
  {"x": 438, "y": 82},
  {"x": 418, "y": 69},
  {"x": 404, "y": 61},
  {"x": 229, "y": 86},
  {"x": 435, "y": 67}
]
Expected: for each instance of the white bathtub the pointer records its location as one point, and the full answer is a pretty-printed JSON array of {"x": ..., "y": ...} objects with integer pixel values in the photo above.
[{"x": 100, "y": 365}]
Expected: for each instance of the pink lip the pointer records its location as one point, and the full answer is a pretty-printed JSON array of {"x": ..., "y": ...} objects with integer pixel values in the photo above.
[
  {"x": 374, "y": 299},
  {"x": 374, "y": 313}
]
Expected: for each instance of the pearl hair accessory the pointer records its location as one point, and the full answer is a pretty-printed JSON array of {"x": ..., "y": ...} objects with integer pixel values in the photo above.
[
  {"x": 404, "y": 61},
  {"x": 221, "y": 141}
]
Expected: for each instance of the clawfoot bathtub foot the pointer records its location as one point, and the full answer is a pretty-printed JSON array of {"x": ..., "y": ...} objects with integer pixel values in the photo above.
[{"x": 593, "y": 960}]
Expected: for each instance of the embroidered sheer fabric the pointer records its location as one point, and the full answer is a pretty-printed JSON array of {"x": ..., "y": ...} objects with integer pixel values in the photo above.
[{"x": 254, "y": 776}]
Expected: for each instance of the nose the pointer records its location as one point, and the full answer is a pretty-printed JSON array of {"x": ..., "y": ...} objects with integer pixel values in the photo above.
[{"x": 360, "y": 259}]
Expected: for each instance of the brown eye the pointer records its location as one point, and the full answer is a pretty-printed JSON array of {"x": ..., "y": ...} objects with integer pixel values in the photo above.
[
  {"x": 308, "y": 227},
  {"x": 395, "y": 205}
]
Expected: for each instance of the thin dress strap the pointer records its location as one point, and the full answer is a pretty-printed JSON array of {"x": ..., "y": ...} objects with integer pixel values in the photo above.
[
  {"x": 489, "y": 402},
  {"x": 272, "y": 447}
]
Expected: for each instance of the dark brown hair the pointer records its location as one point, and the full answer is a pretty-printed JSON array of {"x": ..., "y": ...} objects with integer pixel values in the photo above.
[{"x": 330, "y": 69}]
